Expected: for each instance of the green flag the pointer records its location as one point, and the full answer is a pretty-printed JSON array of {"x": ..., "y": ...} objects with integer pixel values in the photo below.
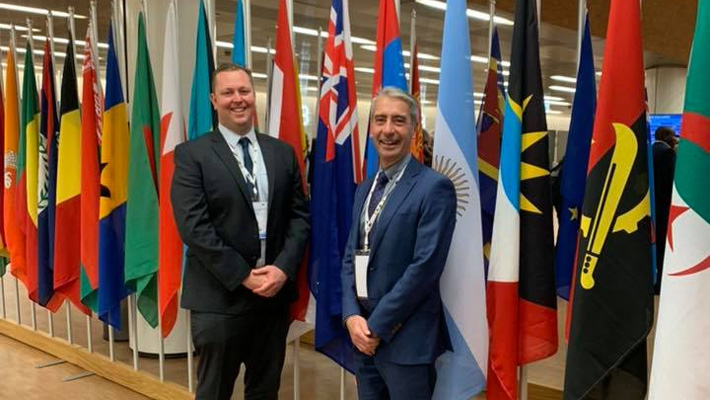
[
  {"x": 141, "y": 263},
  {"x": 680, "y": 356}
]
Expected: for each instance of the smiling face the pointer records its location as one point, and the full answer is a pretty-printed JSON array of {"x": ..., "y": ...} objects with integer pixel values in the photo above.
[
  {"x": 233, "y": 98},
  {"x": 391, "y": 129}
]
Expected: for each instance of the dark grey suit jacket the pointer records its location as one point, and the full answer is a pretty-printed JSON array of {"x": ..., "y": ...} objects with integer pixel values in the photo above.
[{"x": 216, "y": 220}]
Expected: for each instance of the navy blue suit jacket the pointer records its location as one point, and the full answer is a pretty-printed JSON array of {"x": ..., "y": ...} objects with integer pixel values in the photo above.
[{"x": 407, "y": 257}]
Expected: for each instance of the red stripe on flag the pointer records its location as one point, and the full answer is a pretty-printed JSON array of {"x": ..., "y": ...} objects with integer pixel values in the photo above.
[
  {"x": 696, "y": 128},
  {"x": 502, "y": 307}
]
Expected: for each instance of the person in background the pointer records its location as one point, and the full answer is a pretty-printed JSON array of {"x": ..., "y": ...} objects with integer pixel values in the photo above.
[{"x": 664, "y": 157}]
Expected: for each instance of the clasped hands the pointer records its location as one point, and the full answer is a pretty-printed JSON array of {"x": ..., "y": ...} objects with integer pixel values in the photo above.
[
  {"x": 363, "y": 339},
  {"x": 265, "y": 281}
]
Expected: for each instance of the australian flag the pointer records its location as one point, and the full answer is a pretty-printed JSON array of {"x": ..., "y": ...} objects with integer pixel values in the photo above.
[{"x": 336, "y": 171}]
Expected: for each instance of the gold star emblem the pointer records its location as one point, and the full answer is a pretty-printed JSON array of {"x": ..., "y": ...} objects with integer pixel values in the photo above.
[{"x": 574, "y": 213}]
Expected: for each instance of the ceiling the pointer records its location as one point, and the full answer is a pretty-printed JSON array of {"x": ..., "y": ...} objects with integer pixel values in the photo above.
[{"x": 667, "y": 34}]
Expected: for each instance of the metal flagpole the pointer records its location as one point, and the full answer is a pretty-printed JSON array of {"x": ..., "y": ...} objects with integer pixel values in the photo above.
[
  {"x": 190, "y": 361},
  {"x": 296, "y": 369},
  {"x": 161, "y": 348},
  {"x": 212, "y": 25},
  {"x": 269, "y": 72},
  {"x": 133, "y": 327},
  {"x": 581, "y": 13},
  {"x": 412, "y": 43},
  {"x": 111, "y": 341},
  {"x": 32, "y": 53},
  {"x": 319, "y": 42},
  {"x": 342, "y": 383},
  {"x": 491, "y": 26},
  {"x": 247, "y": 32}
]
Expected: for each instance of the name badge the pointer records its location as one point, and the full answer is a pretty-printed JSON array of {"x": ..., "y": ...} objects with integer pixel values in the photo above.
[
  {"x": 362, "y": 259},
  {"x": 261, "y": 210}
]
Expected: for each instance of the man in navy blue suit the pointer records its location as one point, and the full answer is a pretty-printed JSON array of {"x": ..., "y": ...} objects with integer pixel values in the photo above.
[{"x": 403, "y": 222}]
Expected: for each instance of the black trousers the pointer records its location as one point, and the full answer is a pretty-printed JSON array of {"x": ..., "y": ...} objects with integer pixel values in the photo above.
[
  {"x": 224, "y": 342},
  {"x": 378, "y": 379}
]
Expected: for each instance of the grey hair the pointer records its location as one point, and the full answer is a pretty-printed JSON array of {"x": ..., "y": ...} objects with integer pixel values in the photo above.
[{"x": 398, "y": 94}]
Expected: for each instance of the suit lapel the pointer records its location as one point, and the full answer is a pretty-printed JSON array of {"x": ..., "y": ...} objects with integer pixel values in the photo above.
[
  {"x": 269, "y": 162},
  {"x": 220, "y": 146},
  {"x": 398, "y": 195}
]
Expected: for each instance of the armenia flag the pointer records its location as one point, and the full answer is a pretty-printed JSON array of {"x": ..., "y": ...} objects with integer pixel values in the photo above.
[{"x": 461, "y": 374}]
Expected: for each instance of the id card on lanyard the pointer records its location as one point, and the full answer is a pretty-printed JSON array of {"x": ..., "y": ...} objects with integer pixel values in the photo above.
[
  {"x": 261, "y": 211},
  {"x": 362, "y": 256}
]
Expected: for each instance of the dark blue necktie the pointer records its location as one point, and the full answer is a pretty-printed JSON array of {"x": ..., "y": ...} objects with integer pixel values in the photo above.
[
  {"x": 375, "y": 199},
  {"x": 248, "y": 163}
]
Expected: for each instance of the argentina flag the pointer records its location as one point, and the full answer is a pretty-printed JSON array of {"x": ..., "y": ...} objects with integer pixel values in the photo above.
[{"x": 461, "y": 373}]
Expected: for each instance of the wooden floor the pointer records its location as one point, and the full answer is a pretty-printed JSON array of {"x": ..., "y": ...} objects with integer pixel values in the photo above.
[{"x": 320, "y": 377}]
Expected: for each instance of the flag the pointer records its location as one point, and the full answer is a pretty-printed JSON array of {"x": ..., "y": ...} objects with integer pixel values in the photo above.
[
  {"x": 612, "y": 297},
  {"x": 27, "y": 172},
  {"x": 47, "y": 185},
  {"x": 522, "y": 311},
  {"x": 112, "y": 203},
  {"x": 489, "y": 128},
  {"x": 416, "y": 146},
  {"x": 202, "y": 117},
  {"x": 91, "y": 115},
  {"x": 285, "y": 123},
  {"x": 67, "y": 227},
  {"x": 461, "y": 374},
  {"x": 141, "y": 262},
  {"x": 13, "y": 219},
  {"x": 172, "y": 133},
  {"x": 239, "y": 49},
  {"x": 679, "y": 358},
  {"x": 3, "y": 240},
  {"x": 574, "y": 169},
  {"x": 336, "y": 172},
  {"x": 389, "y": 67}
]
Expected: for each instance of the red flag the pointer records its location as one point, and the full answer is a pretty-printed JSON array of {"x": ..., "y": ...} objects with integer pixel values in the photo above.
[
  {"x": 285, "y": 123},
  {"x": 91, "y": 113},
  {"x": 417, "y": 144},
  {"x": 172, "y": 133}
]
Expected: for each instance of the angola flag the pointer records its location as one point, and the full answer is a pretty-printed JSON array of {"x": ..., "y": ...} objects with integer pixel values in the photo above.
[{"x": 612, "y": 299}]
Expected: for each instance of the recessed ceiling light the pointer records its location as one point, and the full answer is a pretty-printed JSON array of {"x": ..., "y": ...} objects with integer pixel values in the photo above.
[
  {"x": 563, "y": 88},
  {"x": 17, "y": 28},
  {"x": 405, "y": 53},
  {"x": 324, "y": 34},
  {"x": 563, "y": 78},
  {"x": 553, "y": 98},
  {"x": 65, "y": 41},
  {"x": 440, "y": 5},
  {"x": 554, "y": 112},
  {"x": 35, "y": 10},
  {"x": 365, "y": 70},
  {"x": 255, "y": 49},
  {"x": 557, "y": 103}
]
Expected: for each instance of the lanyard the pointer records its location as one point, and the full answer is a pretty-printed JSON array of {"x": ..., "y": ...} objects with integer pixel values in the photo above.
[
  {"x": 371, "y": 219},
  {"x": 250, "y": 177}
]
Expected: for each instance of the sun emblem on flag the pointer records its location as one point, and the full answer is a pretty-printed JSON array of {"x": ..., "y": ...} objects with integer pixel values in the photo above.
[
  {"x": 450, "y": 169},
  {"x": 10, "y": 163}
]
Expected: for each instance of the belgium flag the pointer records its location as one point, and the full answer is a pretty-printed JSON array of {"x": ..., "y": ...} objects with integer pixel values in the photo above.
[{"x": 612, "y": 308}]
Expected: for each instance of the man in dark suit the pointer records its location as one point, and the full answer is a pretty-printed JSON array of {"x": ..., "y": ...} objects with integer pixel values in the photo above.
[
  {"x": 403, "y": 223},
  {"x": 663, "y": 171},
  {"x": 240, "y": 208}
]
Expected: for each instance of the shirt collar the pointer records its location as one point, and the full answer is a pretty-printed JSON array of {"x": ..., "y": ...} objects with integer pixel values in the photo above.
[
  {"x": 397, "y": 167},
  {"x": 232, "y": 137}
]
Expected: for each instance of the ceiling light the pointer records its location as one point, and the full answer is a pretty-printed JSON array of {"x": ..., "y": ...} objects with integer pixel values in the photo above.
[
  {"x": 599, "y": 73},
  {"x": 255, "y": 49},
  {"x": 421, "y": 56},
  {"x": 23, "y": 50},
  {"x": 35, "y": 10},
  {"x": 563, "y": 78},
  {"x": 17, "y": 28},
  {"x": 558, "y": 103},
  {"x": 553, "y": 98},
  {"x": 259, "y": 75},
  {"x": 440, "y": 5},
  {"x": 425, "y": 68},
  {"x": 430, "y": 81},
  {"x": 324, "y": 34},
  {"x": 308, "y": 78},
  {"x": 554, "y": 112},
  {"x": 365, "y": 70},
  {"x": 65, "y": 41},
  {"x": 563, "y": 88}
]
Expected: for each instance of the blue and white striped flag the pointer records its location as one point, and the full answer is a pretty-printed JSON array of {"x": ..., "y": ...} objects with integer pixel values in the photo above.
[{"x": 461, "y": 374}]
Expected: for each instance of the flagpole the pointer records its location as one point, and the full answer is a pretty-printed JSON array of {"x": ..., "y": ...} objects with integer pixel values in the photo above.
[
  {"x": 342, "y": 383},
  {"x": 13, "y": 46},
  {"x": 269, "y": 68},
  {"x": 133, "y": 327},
  {"x": 319, "y": 43},
  {"x": 32, "y": 53},
  {"x": 95, "y": 39},
  {"x": 296, "y": 369},
  {"x": 190, "y": 384},
  {"x": 247, "y": 32},
  {"x": 491, "y": 26},
  {"x": 161, "y": 348},
  {"x": 581, "y": 11},
  {"x": 212, "y": 22},
  {"x": 111, "y": 352},
  {"x": 397, "y": 6},
  {"x": 412, "y": 43}
]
